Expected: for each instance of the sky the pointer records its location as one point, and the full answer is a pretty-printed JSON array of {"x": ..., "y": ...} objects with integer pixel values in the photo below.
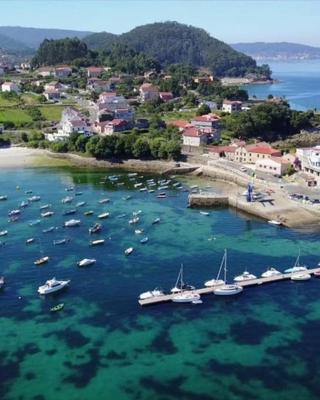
[{"x": 228, "y": 20}]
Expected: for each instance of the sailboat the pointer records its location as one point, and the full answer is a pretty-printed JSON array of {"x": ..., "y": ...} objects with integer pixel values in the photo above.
[
  {"x": 184, "y": 295},
  {"x": 43, "y": 259},
  {"x": 217, "y": 281},
  {"x": 227, "y": 289},
  {"x": 297, "y": 267}
]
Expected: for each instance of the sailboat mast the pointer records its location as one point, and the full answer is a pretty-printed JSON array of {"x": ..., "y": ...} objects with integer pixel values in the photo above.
[
  {"x": 181, "y": 277},
  {"x": 225, "y": 266}
]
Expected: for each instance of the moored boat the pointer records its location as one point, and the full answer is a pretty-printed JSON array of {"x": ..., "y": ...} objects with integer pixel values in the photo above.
[
  {"x": 274, "y": 222},
  {"x": 216, "y": 281},
  {"x": 134, "y": 220},
  {"x": 88, "y": 213},
  {"x": 52, "y": 285},
  {"x": 144, "y": 240},
  {"x": 72, "y": 223},
  {"x": 96, "y": 242},
  {"x": 30, "y": 240},
  {"x": 245, "y": 276},
  {"x": 128, "y": 251},
  {"x": 2, "y": 282},
  {"x": 3, "y": 233},
  {"x": 297, "y": 267},
  {"x": 204, "y": 213},
  {"x": 156, "y": 221},
  {"x": 227, "y": 289},
  {"x": 104, "y": 201},
  {"x": 41, "y": 260},
  {"x": 80, "y": 204},
  {"x": 86, "y": 262},
  {"x": 300, "y": 276},
  {"x": 58, "y": 307},
  {"x": 2, "y": 198},
  {"x": 60, "y": 241},
  {"x": 67, "y": 200},
  {"x": 95, "y": 228},
  {"x": 70, "y": 212},
  {"x": 270, "y": 272},
  {"x": 34, "y": 198},
  {"x": 13, "y": 213},
  {"x": 181, "y": 294},
  {"x": 34, "y": 222},
  {"x": 151, "y": 293},
  {"x": 47, "y": 214},
  {"x": 48, "y": 230},
  {"x": 103, "y": 215}
]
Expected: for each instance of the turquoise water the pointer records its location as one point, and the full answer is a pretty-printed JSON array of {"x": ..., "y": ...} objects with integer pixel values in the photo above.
[
  {"x": 262, "y": 344},
  {"x": 299, "y": 83}
]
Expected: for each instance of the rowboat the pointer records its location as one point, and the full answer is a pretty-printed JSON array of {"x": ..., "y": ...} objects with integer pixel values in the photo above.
[
  {"x": 104, "y": 215},
  {"x": 56, "y": 308},
  {"x": 96, "y": 242},
  {"x": 128, "y": 251}
]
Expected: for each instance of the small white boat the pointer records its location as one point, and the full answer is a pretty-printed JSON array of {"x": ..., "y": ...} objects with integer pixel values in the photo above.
[
  {"x": 47, "y": 214},
  {"x": 128, "y": 251},
  {"x": 45, "y": 206},
  {"x": 1, "y": 282},
  {"x": 274, "y": 222},
  {"x": 30, "y": 240},
  {"x": 134, "y": 220},
  {"x": 227, "y": 289},
  {"x": 161, "y": 196},
  {"x": 81, "y": 204},
  {"x": 72, "y": 222},
  {"x": 156, "y": 221},
  {"x": 144, "y": 240},
  {"x": 34, "y": 222},
  {"x": 86, "y": 262},
  {"x": 14, "y": 212},
  {"x": 24, "y": 204},
  {"x": 60, "y": 241},
  {"x": 204, "y": 213},
  {"x": 88, "y": 213},
  {"x": 34, "y": 198},
  {"x": 151, "y": 191},
  {"x": 52, "y": 285},
  {"x": 2, "y": 198},
  {"x": 127, "y": 198},
  {"x": 270, "y": 272},
  {"x": 103, "y": 215},
  {"x": 96, "y": 242},
  {"x": 186, "y": 297},
  {"x": 151, "y": 293},
  {"x": 104, "y": 201},
  {"x": 48, "y": 230},
  {"x": 138, "y": 231},
  {"x": 137, "y": 185},
  {"x": 67, "y": 200},
  {"x": 144, "y": 189},
  {"x": 70, "y": 212},
  {"x": 41, "y": 260},
  {"x": 300, "y": 276},
  {"x": 245, "y": 276},
  {"x": 3, "y": 233}
]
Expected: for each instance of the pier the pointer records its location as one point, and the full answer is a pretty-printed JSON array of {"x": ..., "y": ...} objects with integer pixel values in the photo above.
[
  {"x": 208, "y": 200},
  {"x": 209, "y": 290}
]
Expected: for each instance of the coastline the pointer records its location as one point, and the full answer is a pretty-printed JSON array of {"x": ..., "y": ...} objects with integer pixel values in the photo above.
[{"x": 292, "y": 215}]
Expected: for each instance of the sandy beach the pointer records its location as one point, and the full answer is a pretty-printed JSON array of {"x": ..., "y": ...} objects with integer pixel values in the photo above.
[{"x": 16, "y": 157}]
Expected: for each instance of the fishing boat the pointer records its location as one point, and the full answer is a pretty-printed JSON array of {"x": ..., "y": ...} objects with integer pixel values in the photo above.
[
  {"x": 72, "y": 223},
  {"x": 13, "y": 213},
  {"x": 2, "y": 282},
  {"x": 81, "y": 204},
  {"x": 217, "y": 281},
  {"x": 30, "y": 240},
  {"x": 156, "y": 221},
  {"x": 34, "y": 198},
  {"x": 95, "y": 228},
  {"x": 88, "y": 213},
  {"x": 2, "y": 198},
  {"x": 134, "y": 220},
  {"x": 67, "y": 200},
  {"x": 128, "y": 251},
  {"x": 48, "y": 230},
  {"x": 138, "y": 231},
  {"x": 300, "y": 276},
  {"x": 245, "y": 276},
  {"x": 132, "y": 174},
  {"x": 86, "y": 262},
  {"x": 270, "y": 272},
  {"x": 45, "y": 206},
  {"x": 144, "y": 240},
  {"x": 104, "y": 201},
  {"x": 56, "y": 308},
  {"x": 24, "y": 204},
  {"x": 97, "y": 242},
  {"x": 69, "y": 212},
  {"x": 34, "y": 222},
  {"x": 161, "y": 195},
  {"x": 52, "y": 285},
  {"x": 296, "y": 267},
  {"x": 227, "y": 289},
  {"x": 151, "y": 293},
  {"x": 274, "y": 222},
  {"x": 103, "y": 215},
  {"x": 41, "y": 260},
  {"x": 60, "y": 241},
  {"x": 137, "y": 185},
  {"x": 204, "y": 213},
  {"x": 47, "y": 214},
  {"x": 3, "y": 233},
  {"x": 183, "y": 295},
  {"x": 180, "y": 284}
]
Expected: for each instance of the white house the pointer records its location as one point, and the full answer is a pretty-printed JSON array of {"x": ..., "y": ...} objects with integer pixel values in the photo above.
[
  {"x": 72, "y": 121},
  {"x": 148, "y": 92},
  {"x": 310, "y": 161},
  {"x": 193, "y": 137},
  {"x": 231, "y": 106},
  {"x": 10, "y": 87},
  {"x": 273, "y": 165}
]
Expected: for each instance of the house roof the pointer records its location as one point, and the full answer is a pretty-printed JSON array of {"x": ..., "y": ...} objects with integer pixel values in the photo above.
[
  {"x": 95, "y": 69},
  {"x": 77, "y": 123},
  {"x": 166, "y": 95},
  {"x": 232, "y": 102},
  {"x": 179, "y": 123},
  {"x": 148, "y": 87},
  {"x": 117, "y": 122},
  {"x": 263, "y": 149},
  {"x": 193, "y": 132},
  {"x": 206, "y": 118}
]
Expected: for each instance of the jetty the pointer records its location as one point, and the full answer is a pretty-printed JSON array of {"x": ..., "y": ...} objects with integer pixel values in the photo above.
[{"x": 209, "y": 290}]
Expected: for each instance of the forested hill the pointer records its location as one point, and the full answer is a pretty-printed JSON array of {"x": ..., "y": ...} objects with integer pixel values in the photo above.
[
  {"x": 12, "y": 45},
  {"x": 172, "y": 43},
  {"x": 278, "y": 51}
]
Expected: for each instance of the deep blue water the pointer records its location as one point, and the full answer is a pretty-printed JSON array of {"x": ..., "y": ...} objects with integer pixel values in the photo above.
[
  {"x": 299, "y": 84},
  {"x": 262, "y": 344}
]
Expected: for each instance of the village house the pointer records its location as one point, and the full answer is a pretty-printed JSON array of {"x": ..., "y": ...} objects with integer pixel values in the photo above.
[
  {"x": 63, "y": 71},
  {"x": 227, "y": 152},
  {"x": 116, "y": 125},
  {"x": 165, "y": 96},
  {"x": 72, "y": 121},
  {"x": 209, "y": 124},
  {"x": 211, "y": 104},
  {"x": 181, "y": 124},
  {"x": 274, "y": 165},
  {"x": 10, "y": 87},
  {"x": 193, "y": 137},
  {"x": 250, "y": 154},
  {"x": 310, "y": 162},
  {"x": 231, "y": 106},
  {"x": 148, "y": 92},
  {"x": 95, "y": 72},
  {"x": 100, "y": 85},
  {"x": 52, "y": 94},
  {"x": 54, "y": 85},
  {"x": 207, "y": 79},
  {"x": 46, "y": 71}
]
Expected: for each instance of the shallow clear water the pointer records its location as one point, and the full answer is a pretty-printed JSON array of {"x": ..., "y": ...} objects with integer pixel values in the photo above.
[
  {"x": 299, "y": 84},
  {"x": 262, "y": 344}
]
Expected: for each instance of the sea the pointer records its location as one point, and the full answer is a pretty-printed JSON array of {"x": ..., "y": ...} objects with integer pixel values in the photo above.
[
  {"x": 298, "y": 82},
  {"x": 261, "y": 344}
]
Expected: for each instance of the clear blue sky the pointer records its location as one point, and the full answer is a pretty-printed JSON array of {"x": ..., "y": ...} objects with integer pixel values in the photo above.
[{"x": 228, "y": 20}]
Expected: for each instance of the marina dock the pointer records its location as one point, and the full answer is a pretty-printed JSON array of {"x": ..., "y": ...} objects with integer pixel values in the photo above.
[{"x": 209, "y": 290}]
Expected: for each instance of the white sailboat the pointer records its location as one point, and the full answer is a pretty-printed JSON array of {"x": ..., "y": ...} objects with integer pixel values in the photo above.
[
  {"x": 217, "y": 281},
  {"x": 184, "y": 295},
  {"x": 227, "y": 289},
  {"x": 297, "y": 267}
]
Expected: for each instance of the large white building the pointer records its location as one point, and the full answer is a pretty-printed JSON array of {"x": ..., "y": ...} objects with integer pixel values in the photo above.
[
  {"x": 310, "y": 161},
  {"x": 10, "y": 87}
]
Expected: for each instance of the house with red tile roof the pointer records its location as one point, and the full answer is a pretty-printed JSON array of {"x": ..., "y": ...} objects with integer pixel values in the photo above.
[
  {"x": 209, "y": 123},
  {"x": 165, "y": 96},
  {"x": 194, "y": 137},
  {"x": 116, "y": 125},
  {"x": 181, "y": 124},
  {"x": 148, "y": 92},
  {"x": 251, "y": 153},
  {"x": 95, "y": 72}
]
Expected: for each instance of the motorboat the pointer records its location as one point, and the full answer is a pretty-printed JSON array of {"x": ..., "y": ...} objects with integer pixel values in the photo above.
[
  {"x": 45, "y": 206},
  {"x": 297, "y": 267},
  {"x": 47, "y": 214},
  {"x": 3, "y": 233},
  {"x": 128, "y": 251},
  {"x": 86, "y": 262},
  {"x": 132, "y": 174},
  {"x": 2, "y": 198},
  {"x": 204, "y": 213},
  {"x": 14, "y": 212},
  {"x": 96, "y": 242},
  {"x": 227, "y": 289},
  {"x": 67, "y": 200},
  {"x": 186, "y": 297},
  {"x": 144, "y": 240},
  {"x": 150, "y": 294},
  {"x": 88, "y": 213},
  {"x": 80, "y": 204},
  {"x": 24, "y": 204},
  {"x": 52, "y": 285},
  {"x": 300, "y": 276},
  {"x": 270, "y": 272},
  {"x": 41, "y": 260},
  {"x": 34, "y": 198},
  {"x": 274, "y": 222},
  {"x": 317, "y": 273},
  {"x": 60, "y": 241},
  {"x": 104, "y": 201},
  {"x": 34, "y": 222},
  {"x": 48, "y": 230},
  {"x": 72, "y": 222},
  {"x": 151, "y": 191},
  {"x": 30, "y": 240},
  {"x": 138, "y": 231},
  {"x": 137, "y": 185},
  {"x": 70, "y": 212},
  {"x": 156, "y": 221},
  {"x": 245, "y": 276},
  {"x": 217, "y": 281},
  {"x": 103, "y": 215},
  {"x": 161, "y": 195},
  {"x": 1, "y": 282},
  {"x": 95, "y": 228},
  {"x": 134, "y": 220}
]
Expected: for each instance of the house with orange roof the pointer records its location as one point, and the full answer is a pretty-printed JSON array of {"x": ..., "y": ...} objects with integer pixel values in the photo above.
[
  {"x": 194, "y": 137},
  {"x": 250, "y": 154}
]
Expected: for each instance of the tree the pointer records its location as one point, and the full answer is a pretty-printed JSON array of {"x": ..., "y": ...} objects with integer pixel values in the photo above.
[
  {"x": 141, "y": 148},
  {"x": 81, "y": 143},
  {"x": 91, "y": 145},
  {"x": 203, "y": 109}
]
